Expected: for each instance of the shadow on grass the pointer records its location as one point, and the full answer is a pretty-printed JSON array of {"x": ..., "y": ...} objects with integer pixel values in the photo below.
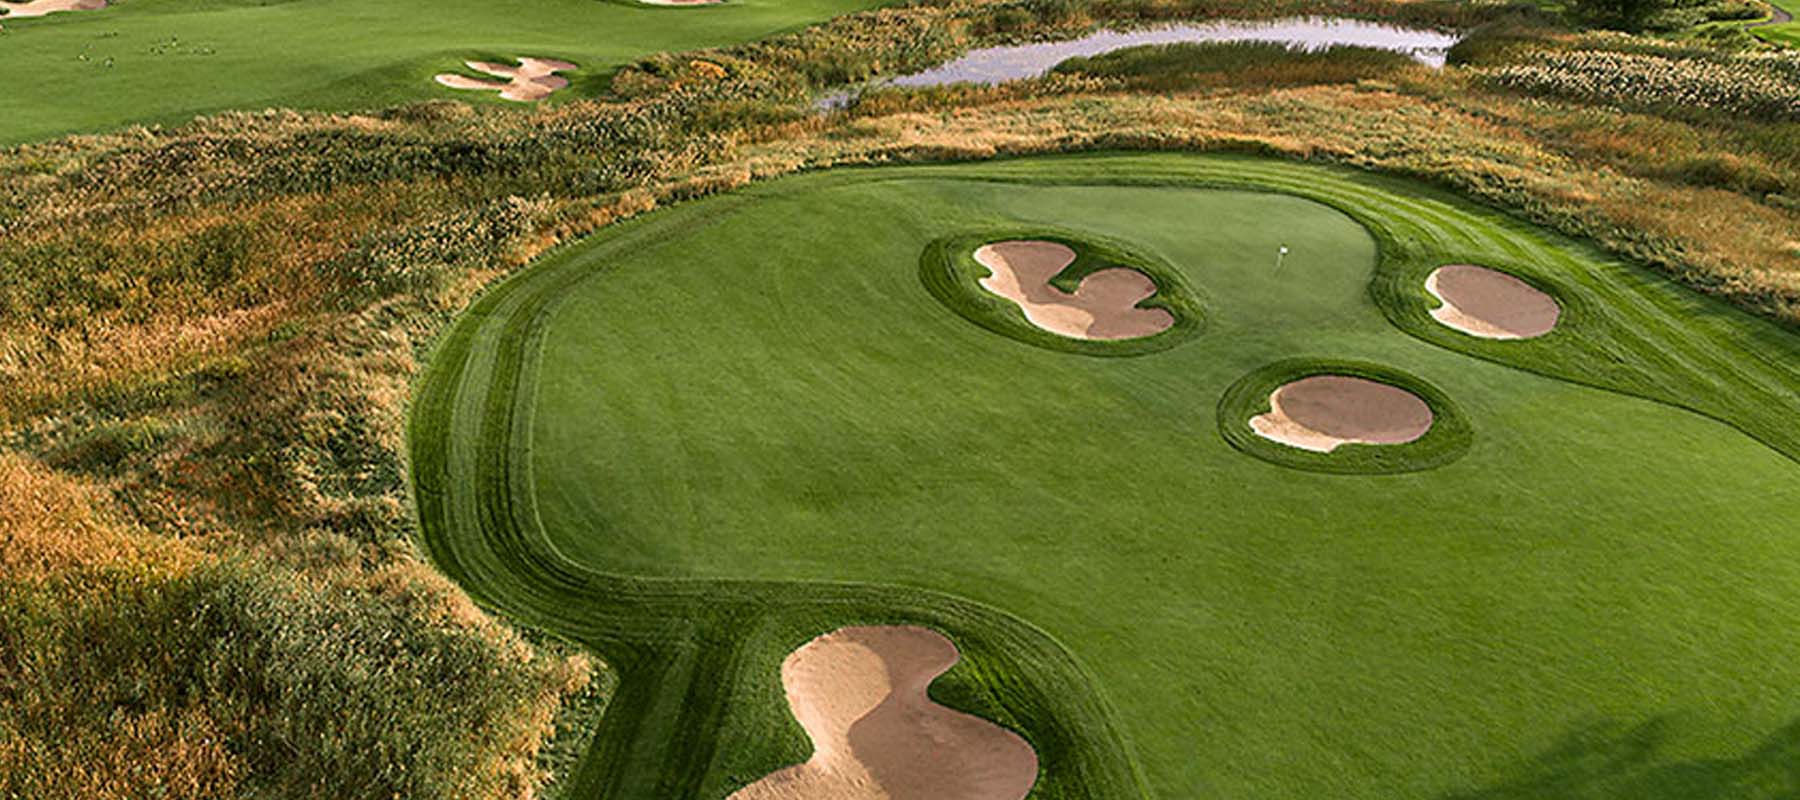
[{"x": 1611, "y": 762}]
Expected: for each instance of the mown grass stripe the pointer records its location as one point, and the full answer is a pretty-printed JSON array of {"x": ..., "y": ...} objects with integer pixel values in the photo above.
[{"x": 680, "y": 645}]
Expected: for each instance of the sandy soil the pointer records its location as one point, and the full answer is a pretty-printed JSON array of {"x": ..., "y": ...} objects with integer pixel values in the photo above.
[
  {"x": 38, "y": 8},
  {"x": 532, "y": 80},
  {"x": 1104, "y": 306},
  {"x": 1490, "y": 304},
  {"x": 860, "y": 695},
  {"x": 1321, "y": 412}
]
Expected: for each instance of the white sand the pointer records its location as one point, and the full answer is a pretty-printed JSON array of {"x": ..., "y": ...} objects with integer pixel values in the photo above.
[
  {"x": 532, "y": 80},
  {"x": 1321, "y": 412},
  {"x": 860, "y": 693},
  {"x": 1490, "y": 304},
  {"x": 1103, "y": 307},
  {"x": 38, "y": 8}
]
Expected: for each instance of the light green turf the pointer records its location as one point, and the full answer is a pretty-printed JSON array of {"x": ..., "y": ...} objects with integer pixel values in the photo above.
[
  {"x": 1786, "y": 33},
  {"x": 1597, "y": 600},
  {"x": 172, "y": 59}
]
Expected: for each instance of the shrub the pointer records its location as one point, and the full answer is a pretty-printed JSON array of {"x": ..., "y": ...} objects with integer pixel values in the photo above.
[
  {"x": 1758, "y": 86},
  {"x": 1629, "y": 15},
  {"x": 1173, "y": 66},
  {"x": 1505, "y": 38}
]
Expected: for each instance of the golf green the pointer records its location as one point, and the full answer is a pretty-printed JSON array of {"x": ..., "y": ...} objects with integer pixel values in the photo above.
[
  {"x": 698, "y": 439},
  {"x": 164, "y": 61}
]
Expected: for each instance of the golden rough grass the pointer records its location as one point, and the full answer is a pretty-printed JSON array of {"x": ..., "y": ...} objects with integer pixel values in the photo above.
[
  {"x": 53, "y": 526},
  {"x": 152, "y": 754},
  {"x": 1617, "y": 170},
  {"x": 61, "y": 543},
  {"x": 160, "y": 317}
]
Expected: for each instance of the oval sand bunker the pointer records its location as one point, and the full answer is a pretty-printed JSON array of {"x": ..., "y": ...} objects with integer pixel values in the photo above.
[
  {"x": 1324, "y": 411},
  {"x": 860, "y": 693},
  {"x": 532, "y": 80},
  {"x": 1103, "y": 307},
  {"x": 1490, "y": 304}
]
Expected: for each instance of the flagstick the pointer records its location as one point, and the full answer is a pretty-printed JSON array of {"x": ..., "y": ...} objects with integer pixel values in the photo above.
[{"x": 1280, "y": 255}]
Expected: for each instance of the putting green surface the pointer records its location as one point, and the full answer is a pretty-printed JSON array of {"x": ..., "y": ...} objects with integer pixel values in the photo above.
[
  {"x": 701, "y": 438},
  {"x": 164, "y": 61}
]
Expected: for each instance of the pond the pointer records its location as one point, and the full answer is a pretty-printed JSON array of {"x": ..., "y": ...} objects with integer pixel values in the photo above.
[{"x": 991, "y": 65}]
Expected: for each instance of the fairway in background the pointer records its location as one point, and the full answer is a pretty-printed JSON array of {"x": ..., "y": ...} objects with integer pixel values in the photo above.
[{"x": 164, "y": 61}]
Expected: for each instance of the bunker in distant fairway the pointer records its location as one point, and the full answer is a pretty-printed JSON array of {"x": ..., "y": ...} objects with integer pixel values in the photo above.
[
  {"x": 1103, "y": 307},
  {"x": 1490, "y": 304},
  {"x": 1322, "y": 412},
  {"x": 860, "y": 693},
  {"x": 38, "y": 8},
  {"x": 533, "y": 80}
]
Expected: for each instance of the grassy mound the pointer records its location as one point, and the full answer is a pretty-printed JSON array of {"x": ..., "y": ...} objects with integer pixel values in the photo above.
[{"x": 700, "y": 438}]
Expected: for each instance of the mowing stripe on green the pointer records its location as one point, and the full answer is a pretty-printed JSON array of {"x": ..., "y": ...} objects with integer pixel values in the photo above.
[{"x": 696, "y": 440}]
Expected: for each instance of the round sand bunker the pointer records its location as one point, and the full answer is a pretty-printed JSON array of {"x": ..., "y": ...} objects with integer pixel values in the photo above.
[
  {"x": 1103, "y": 307},
  {"x": 1490, "y": 304},
  {"x": 860, "y": 693},
  {"x": 1321, "y": 412}
]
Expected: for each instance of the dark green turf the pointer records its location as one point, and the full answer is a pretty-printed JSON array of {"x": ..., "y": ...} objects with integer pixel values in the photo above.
[
  {"x": 163, "y": 61},
  {"x": 698, "y": 439},
  {"x": 949, "y": 271}
]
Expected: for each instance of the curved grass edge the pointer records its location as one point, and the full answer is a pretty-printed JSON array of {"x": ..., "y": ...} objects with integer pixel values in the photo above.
[
  {"x": 677, "y": 673},
  {"x": 1398, "y": 288},
  {"x": 949, "y": 271},
  {"x": 695, "y": 658},
  {"x": 1448, "y": 439}
]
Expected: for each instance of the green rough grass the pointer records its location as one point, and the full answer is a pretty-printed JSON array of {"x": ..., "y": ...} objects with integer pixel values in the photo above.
[
  {"x": 164, "y": 61},
  {"x": 698, "y": 439}
]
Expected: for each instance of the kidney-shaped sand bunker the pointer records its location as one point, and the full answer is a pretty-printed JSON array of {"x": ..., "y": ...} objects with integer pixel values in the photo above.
[
  {"x": 1490, "y": 304},
  {"x": 860, "y": 693},
  {"x": 1323, "y": 412},
  {"x": 1103, "y": 307}
]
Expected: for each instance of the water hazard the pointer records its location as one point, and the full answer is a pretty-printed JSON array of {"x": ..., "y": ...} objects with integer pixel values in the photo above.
[{"x": 991, "y": 65}]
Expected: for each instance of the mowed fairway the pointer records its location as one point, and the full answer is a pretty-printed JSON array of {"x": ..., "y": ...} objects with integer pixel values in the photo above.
[
  {"x": 700, "y": 439},
  {"x": 163, "y": 61}
]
